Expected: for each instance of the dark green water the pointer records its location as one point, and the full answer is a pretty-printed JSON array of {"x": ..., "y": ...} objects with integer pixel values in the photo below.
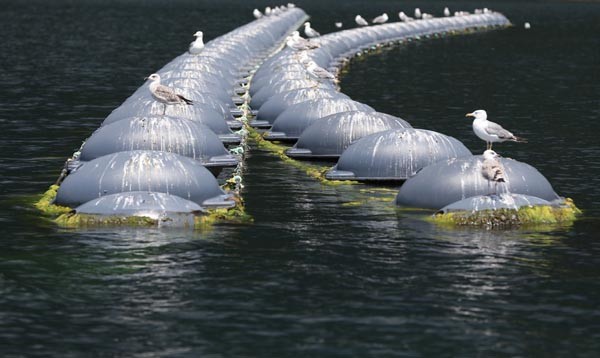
[{"x": 324, "y": 271}]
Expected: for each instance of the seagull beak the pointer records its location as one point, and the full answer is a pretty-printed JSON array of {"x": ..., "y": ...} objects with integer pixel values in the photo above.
[{"x": 469, "y": 115}]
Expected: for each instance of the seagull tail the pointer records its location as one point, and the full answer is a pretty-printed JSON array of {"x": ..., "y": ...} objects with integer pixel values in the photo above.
[{"x": 187, "y": 101}]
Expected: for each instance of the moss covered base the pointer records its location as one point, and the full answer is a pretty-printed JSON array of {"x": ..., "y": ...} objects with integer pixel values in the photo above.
[
  {"x": 530, "y": 215},
  {"x": 44, "y": 204},
  {"x": 68, "y": 218}
]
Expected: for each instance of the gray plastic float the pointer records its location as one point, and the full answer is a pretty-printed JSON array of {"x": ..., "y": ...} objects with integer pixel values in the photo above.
[
  {"x": 282, "y": 101},
  {"x": 142, "y": 170},
  {"x": 331, "y": 135},
  {"x": 175, "y": 135},
  {"x": 495, "y": 202},
  {"x": 266, "y": 93},
  {"x": 293, "y": 121},
  {"x": 167, "y": 210},
  {"x": 446, "y": 182},
  {"x": 395, "y": 155}
]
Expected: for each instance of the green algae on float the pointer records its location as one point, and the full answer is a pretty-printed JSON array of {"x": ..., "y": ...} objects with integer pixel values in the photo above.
[
  {"x": 526, "y": 215},
  {"x": 312, "y": 170},
  {"x": 45, "y": 203},
  {"x": 68, "y": 218}
]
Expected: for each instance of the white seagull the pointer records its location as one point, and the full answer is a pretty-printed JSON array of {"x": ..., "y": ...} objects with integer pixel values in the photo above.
[
  {"x": 381, "y": 19},
  {"x": 360, "y": 21},
  {"x": 492, "y": 169},
  {"x": 297, "y": 43},
  {"x": 165, "y": 95},
  {"x": 417, "y": 13},
  {"x": 527, "y": 26},
  {"x": 197, "y": 45},
  {"x": 489, "y": 131},
  {"x": 338, "y": 25},
  {"x": 319, "y": 73},
  {"x": 446, "y": 11},
  {"x": 257, "y": 14},
  {"x": 309, "y": 31},
  {"x": 403, "y": 17}
]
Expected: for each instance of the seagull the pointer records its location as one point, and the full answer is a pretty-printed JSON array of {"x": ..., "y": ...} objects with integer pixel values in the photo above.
[
  {"x": 492, "y": 169},
  {"x": 426, "y": 16},
  {"x": 197, "y": 45},
  {"x": 319, "y": 73},
  {"x": 527, "y": 26},
  {"x": 268, "y": 11},
  {"x": 381, "y": 19},
  {"x": 446, "y": 11},
  {"x": 403, "y": 17},
  {"x": 309, "y": 31},
  {"x": 165, "y": 95},
  {"x": 417, "y": 13},
  {"x": 297, "y": 43},
  {"x": 489, "y": 131},
  {"x": 360, "y": 21},
  {"x": 257, "y": 14},
  {"x": 338, "y": 25}
]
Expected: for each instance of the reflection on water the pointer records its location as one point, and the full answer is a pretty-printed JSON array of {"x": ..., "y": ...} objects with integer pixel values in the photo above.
[{"x": 326, "y": 270}]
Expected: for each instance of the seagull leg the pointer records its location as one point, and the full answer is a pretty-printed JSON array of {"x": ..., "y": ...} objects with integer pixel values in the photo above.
[{"x": 164, "y": 108}]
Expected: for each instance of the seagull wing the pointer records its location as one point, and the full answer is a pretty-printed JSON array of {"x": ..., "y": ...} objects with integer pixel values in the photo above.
[
  {"x": 168, "y": 95},
  {"x": 497, "y": 130},
  {"x": 492, "y": 170}
]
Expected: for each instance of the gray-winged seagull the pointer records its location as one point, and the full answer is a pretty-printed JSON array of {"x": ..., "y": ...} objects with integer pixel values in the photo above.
[{"x": 165, "y": 95}]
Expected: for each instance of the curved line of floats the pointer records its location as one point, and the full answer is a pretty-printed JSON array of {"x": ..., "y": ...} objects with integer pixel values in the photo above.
[{"x": 165, "y": 167}]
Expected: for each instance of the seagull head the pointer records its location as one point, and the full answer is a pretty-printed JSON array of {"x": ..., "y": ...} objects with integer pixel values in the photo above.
[
  {"x": 153, "y": 77},
  {"x": 307, "y": 24},
  {"x": 199, "y": 34},
  {"x": 490, "y": 154},
  {"x": 478, "y": 114}
]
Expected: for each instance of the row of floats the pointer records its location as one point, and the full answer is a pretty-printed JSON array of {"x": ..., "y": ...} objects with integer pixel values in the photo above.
[
  {"x": 160, "y": 164},
  {"x": 294, "y": 92}
]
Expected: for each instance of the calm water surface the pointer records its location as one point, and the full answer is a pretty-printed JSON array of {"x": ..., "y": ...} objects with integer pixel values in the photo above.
[{"x": 325, "y": 271}]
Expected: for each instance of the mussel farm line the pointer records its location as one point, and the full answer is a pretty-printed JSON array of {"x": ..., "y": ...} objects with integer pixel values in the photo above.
[
  {"x": 153, "y": 164},
  {"x": 296, "y": 92},
  {"x": 150, "y": 164}
]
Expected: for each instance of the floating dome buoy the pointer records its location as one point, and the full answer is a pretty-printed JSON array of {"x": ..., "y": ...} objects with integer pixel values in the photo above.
[
  {"x": 168, "y": 134},
  {"x": 495, "y": 202},
  {"x": 331, "y": 135},
  {"x": 142, "y": 170},
  {"x": 282, "y": 86},
  {"x": 282, "y": 101},
  {"x": 265, "y": 81},
  {"x": 446, "y": 182},
  {"x": 197, "y": 112},
  {"x": 293, "y": 121},
  {"x": 167, "y": 210},
  {"x": 395, "y": 155}
]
